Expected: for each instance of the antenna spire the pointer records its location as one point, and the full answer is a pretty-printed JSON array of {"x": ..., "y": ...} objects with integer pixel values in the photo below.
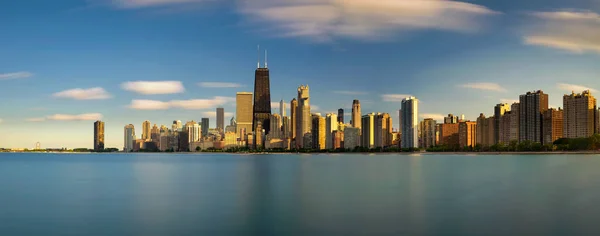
[
  {"x": 258, "y": 56},
  {"x": 266, "y": 65}
]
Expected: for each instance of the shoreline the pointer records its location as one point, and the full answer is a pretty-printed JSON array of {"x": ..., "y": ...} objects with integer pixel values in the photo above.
[{"x": 340, "y": 153}]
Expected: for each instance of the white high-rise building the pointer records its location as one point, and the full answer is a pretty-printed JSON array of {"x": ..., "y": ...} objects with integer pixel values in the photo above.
[
  {"x": 304, "y": 120},
  {"x": 275, "y": 131},
  {"x": 193, "y": 130},
  {"x": 409, "y": 116},
  {"x": 129, "y": 139},
  {"x": 331, "y": 124},
  {"x": 282, "y": 108}
]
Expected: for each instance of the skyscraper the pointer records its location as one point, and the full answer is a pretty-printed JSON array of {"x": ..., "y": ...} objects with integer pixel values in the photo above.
[
  {"x": 286, "y": 130},
  {"x": 293, "y": 117},
  {"x": 553, "y": 125},
  {"x": 146, "y": 131},
  {"x": 129, "y": 138},
  {"x": 368, "y": 131},
  {"x": 262, "y": 98},
  {"x": 192, "y": 129},
  {"x": 340, "y": 116},
  {"x": 155, "y": 133},
  {"x": 204, "y": 126},
  {"x": 579, "y": 115},
  {"x": 331, "y": 124},
  {"x": 318, "y": 132},
  {"x": 485, "y": 130},
  {"x": 243, "y": 113},
  {"x": 428, "y": 133},
  {"x": 383, "y": 130},
  {"x": 467, "y": 134},
  {"x": 282, "y": 108},
  {"x": 220, "y": 119},
  {"x": 410, "y": 124},
  {"x": 303, "y": 116},
  {"x": 499, "y": 111},
  {"x": 98, "y": 136},
  {"x": 356, "y": 114},
  {"x": 532, "y": 105},
  {"x": 451, "y": 119},
  {"x": 275, "y": 126},
  {"x": 351, "y": 138}
]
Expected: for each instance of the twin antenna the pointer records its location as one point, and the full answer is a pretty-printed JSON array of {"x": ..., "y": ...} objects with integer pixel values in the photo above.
[{"x": 258, "y": 56}]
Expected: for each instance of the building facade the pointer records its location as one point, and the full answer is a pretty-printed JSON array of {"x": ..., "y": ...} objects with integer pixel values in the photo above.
[
  {"x": 221, "y": 119},
  {"x": 409, "y": 114},
  {"x": 318, "y": 132},
  {"x": 340, "y": 116},
  {"x": 451, "y": 119},
  {"x": 485, "y": 131},
  {"x": 428, "y": 129},
  {"x": 303, "y": 116},
  {"x": 129, "y": 139},
  {"x": 262, "y": 99},
  {"x": 532, "y": 105},
  {"x": 449, "y": 135},
  {"x": 356, "y": 114},
  {"x": 579, "y": 115},
  {"x": 243, "y": 113},
  {"x": 275, "y": 127},
  {"x": 499, "y": 111},
  {"x": 351, "y": 138},
  {"x": 467, "y": 134},
  {"x": 553, "y": 125},
  {"x": 98, "y": 135},
  {"x": 383, "y": 130},
  {"x": 368, "y": 131},
  {"x": 293, "y": 117},
  {"x": 331, "y": 124},
  {"x": 146, "y": 130}
]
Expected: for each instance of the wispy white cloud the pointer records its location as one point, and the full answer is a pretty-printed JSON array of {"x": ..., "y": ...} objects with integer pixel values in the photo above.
[
  {"x": 133, "y": 4},
  {"x": 484, "y": 86},
  {"x": 394, "y": 97},
  {"x": 193, "y": 104},
  {"x": 326, "y": 20},
  {"x": 437, "y": 117},
  {"x": 573, "y": 31},
  {"x": 314, "y": 108},
  {"x": 154, "y": 87},
  {"x": 15, "y": 75},
  {"x": 574, "y": 87},
  {"x": 213, "y": 114},
  {"x": 275, "y": 105},
  {"x": 509, "y": 101},
  {"x": 346, "y": 92},
  {"x": 219, "y": 85},
  {"x": 68, "y": 117},
  {"x": 84, "y": 94}
]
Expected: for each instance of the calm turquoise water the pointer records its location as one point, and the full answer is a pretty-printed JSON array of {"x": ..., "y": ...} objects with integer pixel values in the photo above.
[{"x": 158, "y": 194}]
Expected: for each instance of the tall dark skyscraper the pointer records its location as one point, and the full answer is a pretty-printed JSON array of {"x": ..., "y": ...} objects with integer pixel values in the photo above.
[
  {"x": 98, "y": 136},
  {"x": 262, "y": 98},
  {"x": 340, "y": 117},
  {"x": 221, "y": 119},
  {"x": 532, "y": 106},
  {"x": 204, "y": 126}
]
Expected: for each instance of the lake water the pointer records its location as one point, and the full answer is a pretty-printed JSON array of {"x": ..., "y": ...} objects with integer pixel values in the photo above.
[{"x": 221, "y": 194}]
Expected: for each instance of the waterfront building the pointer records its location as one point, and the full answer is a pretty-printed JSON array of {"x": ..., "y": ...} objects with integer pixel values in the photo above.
[
  {"x": 532, "y": 105},
  {"x": 243, "y": 113},
  {"x": 428, "y": 130},
  {"x": 552, "y": 125},
  {"x": 356, "y": 114},
  {"x": 146, "y": 130},
  {"x": 351, "y": 138},
  {"x": 220, "y": 119},
  {"x": 331, "y": 124},
  {"x": 318, "y": 132},
  {"x": 303, "y": 116},
  {"x": 340, "y": 116},
  {"x": 382, "y": 132},
  {"x": 409, "y": 114},
  {"x": 262, "y": 98},
  {"x": 368, "y": 131},
  {"x": 467, "y": 134},
  {"x": 499, "y": 111},
  {"x": 451, "y": 119},
  {"x": 449, "y": 136},
  {"x": 129, "y": 139},
  {"x": 579, "y": 115},
  {"x": 98, "y": 135}
]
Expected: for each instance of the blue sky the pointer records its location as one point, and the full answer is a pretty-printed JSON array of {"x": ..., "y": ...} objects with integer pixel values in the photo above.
[{"x": 65, "y": 63}]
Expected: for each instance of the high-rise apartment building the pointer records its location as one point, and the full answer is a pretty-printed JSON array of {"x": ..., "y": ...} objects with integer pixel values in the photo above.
[
  {"x": 409, "y": 114},
  {"x": 275, "y": 127},
  {"x": 499, "y": 111},
  {"x": 368, "y": 131},
  {"x": 532, "y": 105},
  {"x": 428, "y": 130},
  {"x": 552, "y": 125},
  {"x": 340, "y": 116},
  {"x": 205, "y": 124},
  {"x": 303, "y": 116},
  {"x": 318, "y": 132},
  {"x": 220, "y": 119},
  {"x": 449, "y": 136},
  {"x": 155, "y": 134},
  {"x": 579, "y": 115},
  {"x": 485, "y": 130},
  {"x": 351, "y": 138},
  {"x": 177, "y": 125},
  {"x": 356, "y": 114},
  {"x": 598, "y": 121},
  {"x": 262, "y": 98},
  {"x": 451, "y": 119},
  {"x": 331, "y": 124},
  {"x": 286, "y": 128},
  {"x": 243, "y": 113},
  {"x": 383, "y": 130},
  {"x": 98, "y": 135},
  {"x": 129, "y": 139},
  {"x": 282, "y": 108},
  {"x": 146, "y": 131},
  {"x": 192, "y": 129},
  {"x": 467, "y": 134},
  {"x": 338, "y": 139},
  {"x": 293, "y": 117}
]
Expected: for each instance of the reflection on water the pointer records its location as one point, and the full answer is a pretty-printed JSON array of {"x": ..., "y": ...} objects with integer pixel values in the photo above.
[{"x": 150, "y": 194}]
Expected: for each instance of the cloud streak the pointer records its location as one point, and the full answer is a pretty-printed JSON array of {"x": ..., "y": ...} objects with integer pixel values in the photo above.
[
  {"x": 134, "y": 4},
  {"x": 327, "y": 20},
  {"x": 484, "y": 86},
  {"x": 193, "y": 104},
  {"x": 96, "y": 93},
  {"x": 213, "y": 114},
  {"x": 572, "y": 31},
  {"x": 68, "y": 117},
  {"x": 154, "y": 87},
  {"x": 15, "y": 75},
  {"x": 219, "y": 85},
  {"x": 574, "y": 87},
  {"x": 394, "y": 97}
]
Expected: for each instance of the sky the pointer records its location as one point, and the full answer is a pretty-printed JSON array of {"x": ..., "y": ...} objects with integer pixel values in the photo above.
[{"x": 65, "y": 64}]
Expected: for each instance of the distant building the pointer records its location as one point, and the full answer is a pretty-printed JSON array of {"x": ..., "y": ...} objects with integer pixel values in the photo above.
[
  {"x": 428, "y": 129},
  {"x": 286, "y": 128},
  {"x": 532, "y": 105},
  {"x": 230, "y": 140},
  {"x": 165, "y": 140},
  {"x": 499, "y": 111},
  {"x": 275, "y": 126},
  {"x": 382, "y": 130},
  {"x": 303, "y": 116},
  {"x": 552, "y": 125},
  {"x": 221, "y": 119},
  {"x": 509, "y": 125},
  {"x": 351, "y": 137},
  {"x": 467, "y": 134},
  {"x": 331, "y": 124},
  {"x": 449, "y": 136},
  {"x": 129, "y": 139},
  {"x": 598, "y": 121},
  {"x": 318, "y": 132},
  {"x": 368, "y": 131},
  {"x": 485, "y": 130},
  {"x": 356, "y": 114},
  {"x": 579, "y": 115},
  {"x": 338, "y": 139},
  {"x": 282, "y": 108},
  {"x": 193, "y": 131},
  {"x": 205, "y": 125},
  {"x": 98, "y": 136},
  {"x": 409, "y": 114},
  {"x": 451, "y": 119},
  {"x": 243, "y": 112},
  {"x": 155, "y": 134},
  {"x": 262, "y": 99},
  {"x": 340, "y": 116},
  {"x": 293, "y": 117},
  {"x": 146, "y": 130}
]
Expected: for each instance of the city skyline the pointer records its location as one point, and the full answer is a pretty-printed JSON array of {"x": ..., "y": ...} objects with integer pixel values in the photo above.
[{"x": 76, "y": 74}]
